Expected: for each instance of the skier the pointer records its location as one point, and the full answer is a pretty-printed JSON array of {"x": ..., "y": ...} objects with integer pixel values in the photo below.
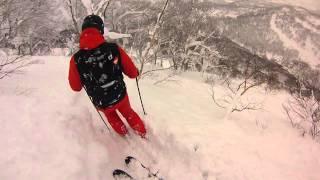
[{"x": 98, "y": 67}]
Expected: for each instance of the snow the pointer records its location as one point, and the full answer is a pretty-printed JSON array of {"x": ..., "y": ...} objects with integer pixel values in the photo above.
[
  {"x": 224, "y": 13},
  {"x": 59, "y": 51},
  {"x": 3, "y": 54},
  {"x": 49, "y": 132},
  {"x": 114, "y": 35}
]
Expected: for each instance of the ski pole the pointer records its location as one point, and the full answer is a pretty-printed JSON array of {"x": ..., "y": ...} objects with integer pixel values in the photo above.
[
  {"x": 97, "y": 110},
  {"x": 140, "y": 97}
]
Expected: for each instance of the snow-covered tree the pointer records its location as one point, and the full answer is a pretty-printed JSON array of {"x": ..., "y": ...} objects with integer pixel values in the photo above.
[
  {"x": 13, "y": 64},
  {"x": 186, "y": 36},
  {"x": 304, "y": 113},
  {"x": 142, "y": 20},
  {"x": 27, "y": 25},
  {"x": 236, "y": 98}
]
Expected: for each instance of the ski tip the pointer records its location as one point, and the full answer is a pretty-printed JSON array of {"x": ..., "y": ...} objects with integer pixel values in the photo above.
[
  {"x": 120, "y": 173},
  {"x": 128, "y": 159},
  {"x": 117, "y": 172}
]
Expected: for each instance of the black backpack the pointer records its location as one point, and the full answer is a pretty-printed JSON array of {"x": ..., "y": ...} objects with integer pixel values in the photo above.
[{"x": 101, "y": 74}]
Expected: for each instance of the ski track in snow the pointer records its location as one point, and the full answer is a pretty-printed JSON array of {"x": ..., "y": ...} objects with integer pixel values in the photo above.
[
  {"x": 49, "y": 132},
  {"x": 306, "y": 53}
]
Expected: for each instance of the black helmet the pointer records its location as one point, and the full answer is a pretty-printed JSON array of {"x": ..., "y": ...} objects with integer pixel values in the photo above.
[{"x": 93, "y": 21}]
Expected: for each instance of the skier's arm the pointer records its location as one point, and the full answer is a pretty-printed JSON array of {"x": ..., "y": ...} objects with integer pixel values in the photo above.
[
  {"x": 74, "y": 77},
  {"x": 128, "y": 66}
]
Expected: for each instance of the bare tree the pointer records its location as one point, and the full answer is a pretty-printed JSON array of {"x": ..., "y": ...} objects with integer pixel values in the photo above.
[
  {"x": 304, "y": 113},
  {"x": 10, "y": 65},
  {"x": 76, "y": 9},
  {"x": 26, "y": 24},
  {"x": 177, "y": 39},
  {"x": 234, "y": 99},
  {"x": 186, "y": 37},
  {"x": 72, "y": 10},
  {"x": 146, "y": 54},
  {"x": 106, "y": 6}
]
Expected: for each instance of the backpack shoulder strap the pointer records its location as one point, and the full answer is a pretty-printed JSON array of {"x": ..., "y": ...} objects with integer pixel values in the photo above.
[
  {"x": 76, "y": 56},
  {"x": 114, "y": 49}
]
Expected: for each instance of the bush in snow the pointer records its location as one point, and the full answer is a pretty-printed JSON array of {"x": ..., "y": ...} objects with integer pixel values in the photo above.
[
  {"x": 236, "y": 97},
  {"x": 10, "y": 65},
  {"x": 304, "y": 113}
]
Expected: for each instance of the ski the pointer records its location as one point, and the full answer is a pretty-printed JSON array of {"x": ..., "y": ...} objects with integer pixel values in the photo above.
[
  {"x": 119, "y": 174},
  {"x": 129, "y": 160}
]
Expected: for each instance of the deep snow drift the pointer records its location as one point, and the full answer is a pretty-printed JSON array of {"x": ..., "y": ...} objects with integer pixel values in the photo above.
[{"x": 49, "y": 132}]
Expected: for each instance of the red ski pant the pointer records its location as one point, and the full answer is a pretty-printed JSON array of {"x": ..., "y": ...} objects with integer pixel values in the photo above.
[{"x": 128, "y": 113}]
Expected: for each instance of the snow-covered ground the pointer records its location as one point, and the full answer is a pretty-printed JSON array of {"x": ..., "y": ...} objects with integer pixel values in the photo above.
[{"x": 49, "y": 132}]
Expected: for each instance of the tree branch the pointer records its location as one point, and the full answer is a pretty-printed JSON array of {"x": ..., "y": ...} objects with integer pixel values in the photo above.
[
  {"x": 165, "y": 79},
  {"x": 152, "y": 41},
  {"x": 105, "y": 9},
  {"x": 214, "y": 99},
  {"x": 153, "y": 70},
  {"x": 75, "y": 23}
]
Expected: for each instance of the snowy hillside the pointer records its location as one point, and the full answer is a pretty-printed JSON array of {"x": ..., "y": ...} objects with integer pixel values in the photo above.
[
  {"x": 277, "y": 31},
  {"x": 49, "y": 132},
  {"x": 308, "y": 4}
]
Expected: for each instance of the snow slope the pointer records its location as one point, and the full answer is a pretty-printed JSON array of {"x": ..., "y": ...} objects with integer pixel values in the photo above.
[
  {"x": 309, "y": 4},
  {"x": 49, "y": 132},
  {"x": 306, "y": 53}
]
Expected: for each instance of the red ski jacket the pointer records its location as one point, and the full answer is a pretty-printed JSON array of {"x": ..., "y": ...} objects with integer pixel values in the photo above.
[{"x": 91, "y": 38}]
